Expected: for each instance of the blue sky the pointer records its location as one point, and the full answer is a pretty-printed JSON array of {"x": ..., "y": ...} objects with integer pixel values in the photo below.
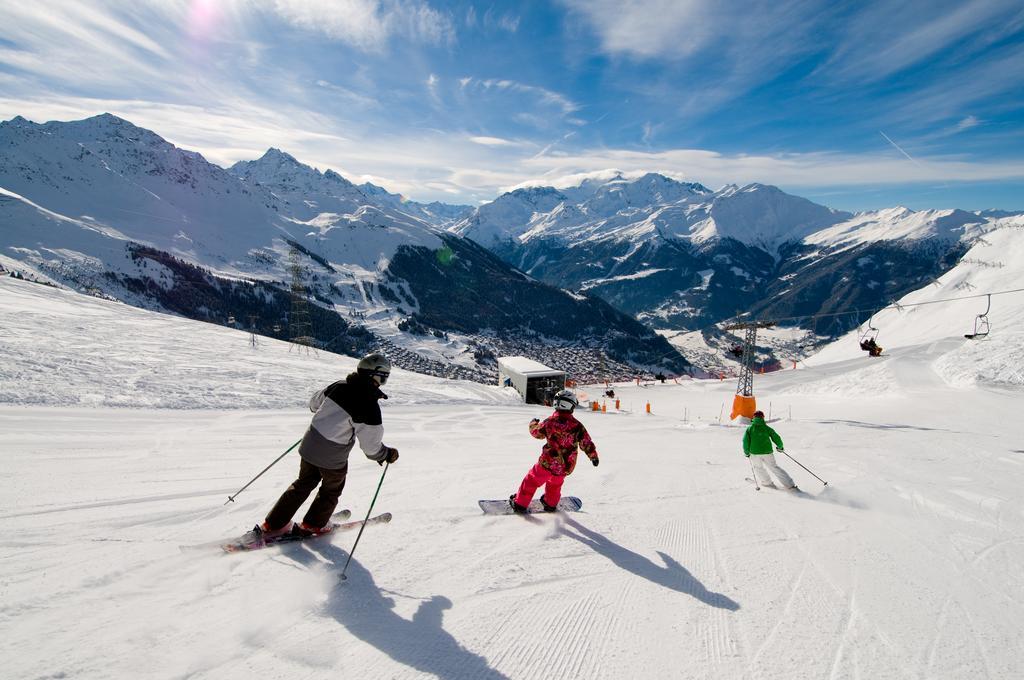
[{"x": 857, "y": 105}]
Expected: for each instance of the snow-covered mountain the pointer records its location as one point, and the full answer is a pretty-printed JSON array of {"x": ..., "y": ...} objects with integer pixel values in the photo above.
[
  {"x": 648, "y": 208},
  {"x": 678, "y": 255},
  {"x": 105, "y": 206},
  {"x": 127, "y": 182}
]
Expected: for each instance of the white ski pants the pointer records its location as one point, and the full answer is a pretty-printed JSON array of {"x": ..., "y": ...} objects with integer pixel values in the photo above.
[{"x": 765, "y": 463}]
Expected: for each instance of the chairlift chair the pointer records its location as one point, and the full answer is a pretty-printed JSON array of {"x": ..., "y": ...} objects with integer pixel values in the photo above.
[
  {"x": 867, "y": 340},
  {"x": 981, "y": 325},
  {"x": 870, "y": 333}
]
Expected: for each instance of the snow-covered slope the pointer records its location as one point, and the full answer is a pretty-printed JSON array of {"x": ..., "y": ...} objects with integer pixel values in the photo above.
[
  {"x": 896, "y": 224},
  {"x": 905, "y": 566},
  {"x": 947, "y": 310},
  {"x": 105, "y": 353}
]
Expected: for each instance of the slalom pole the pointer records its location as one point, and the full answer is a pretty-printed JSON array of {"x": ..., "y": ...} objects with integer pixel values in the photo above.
[
  {"x": 753, "y": 475},
  {"x": 231, "y": 499},
  {"x": 805, "y": 468},
  {"x": 352, "y": 552}
]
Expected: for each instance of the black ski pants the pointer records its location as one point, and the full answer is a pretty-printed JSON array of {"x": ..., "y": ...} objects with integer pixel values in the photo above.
[{"x": 331, "y": 484}]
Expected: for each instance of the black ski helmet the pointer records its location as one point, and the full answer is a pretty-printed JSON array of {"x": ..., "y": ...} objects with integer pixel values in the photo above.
[
  {"x": 375, "y": 365},
  {"x": 565, "y": 400}
]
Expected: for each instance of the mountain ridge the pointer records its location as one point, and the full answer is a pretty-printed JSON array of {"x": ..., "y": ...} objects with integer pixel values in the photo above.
[{"x": 110, "y": 208}]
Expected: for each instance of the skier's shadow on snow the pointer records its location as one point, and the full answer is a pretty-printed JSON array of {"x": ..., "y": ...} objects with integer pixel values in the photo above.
[
  {"x": 673, "y": 575},
  {"x": 421, "y": 643},
  {"x": 887, "y": 426}
]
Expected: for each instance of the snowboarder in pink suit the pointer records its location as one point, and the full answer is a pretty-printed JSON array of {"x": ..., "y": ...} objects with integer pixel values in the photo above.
[{"x": 564, "y": 435}]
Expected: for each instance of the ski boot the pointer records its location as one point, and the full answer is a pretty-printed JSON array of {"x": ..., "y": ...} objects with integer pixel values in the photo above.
[
  {"x": 254, "y": 538},
  {"x": 303, "y": 530},
  {"x": 261, "y": 532}
]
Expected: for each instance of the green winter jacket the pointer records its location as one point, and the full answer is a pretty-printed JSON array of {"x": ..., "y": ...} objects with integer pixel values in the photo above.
[{"x": 758, "y": 438}]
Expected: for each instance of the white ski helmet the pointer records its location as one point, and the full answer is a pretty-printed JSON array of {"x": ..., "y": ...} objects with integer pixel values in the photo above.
[
  {"x": 375, "y": 365},
  {"x": 565, "y": 400}
]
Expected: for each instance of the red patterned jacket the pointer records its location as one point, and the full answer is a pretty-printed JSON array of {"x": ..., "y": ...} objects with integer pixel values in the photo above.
[{"x": 564, "y": 434}]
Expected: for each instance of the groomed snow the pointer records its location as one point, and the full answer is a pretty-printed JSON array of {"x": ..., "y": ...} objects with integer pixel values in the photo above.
[{"x": 906, "y": 566}]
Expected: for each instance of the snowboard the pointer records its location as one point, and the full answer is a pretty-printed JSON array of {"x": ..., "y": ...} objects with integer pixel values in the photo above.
[{"x": 565, "y": 504}]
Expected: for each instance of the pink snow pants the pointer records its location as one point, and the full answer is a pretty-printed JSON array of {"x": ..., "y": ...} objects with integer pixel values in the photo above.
[{"x": 534, "y": 478}]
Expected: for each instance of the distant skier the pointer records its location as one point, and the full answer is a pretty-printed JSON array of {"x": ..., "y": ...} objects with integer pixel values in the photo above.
[
  {"x": 565, "y": 435},
  {"x": 344, "y": 412},
  {"x": 757, "y": 446}
]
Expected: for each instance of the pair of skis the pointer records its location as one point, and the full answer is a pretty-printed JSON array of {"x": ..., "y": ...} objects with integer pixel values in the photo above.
[
  {"x": 252, "y": 541},
  {"x": 257, "y": 541},
  {"x": 770, "y": 486}
]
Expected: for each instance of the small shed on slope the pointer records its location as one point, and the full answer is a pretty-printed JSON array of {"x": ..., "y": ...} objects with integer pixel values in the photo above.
[{"x": 533, "y": 380}]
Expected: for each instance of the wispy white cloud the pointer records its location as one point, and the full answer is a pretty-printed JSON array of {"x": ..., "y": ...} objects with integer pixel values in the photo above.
[
  {"x": 432, "y": 81},
  {"x": 504, "y": 21},
  {"x": 222, "y": 78},
  {"x": 493, "y": 141},
  {"x": 888, "y": 36},
  {"x": 649, "y": 130},
  {"x": 805, "y": 169},
  {"x": 541, "y": 94},
  {"x": 492, "y": 19},
  {"x": 370, "y": 24},
  {"x": 982, "y": 83},
  {"x": 967, "y": 123},
  {"x": 438, "y": 165},
  {"x": 75, "y": 44},
  {"x": 347, "y": 93},
  {"x": 720, "y": 49},
  {"x": 676, "y": 29}
]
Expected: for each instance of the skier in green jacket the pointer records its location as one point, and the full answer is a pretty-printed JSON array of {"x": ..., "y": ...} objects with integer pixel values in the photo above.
[{"x": 757, "y": 446}]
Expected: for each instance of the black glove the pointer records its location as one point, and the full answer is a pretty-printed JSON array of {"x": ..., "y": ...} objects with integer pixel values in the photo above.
[
  {"x": 390, "y": 456},
  {"x": 595, "y": 461}
]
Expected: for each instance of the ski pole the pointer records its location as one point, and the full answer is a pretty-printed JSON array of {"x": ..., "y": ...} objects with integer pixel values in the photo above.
[
  {"x": 805, "y": 467},
  {"x": 753, "y": 475},
  {"x": 360, "y": 534},
  {"x": 231, "y": 499}
]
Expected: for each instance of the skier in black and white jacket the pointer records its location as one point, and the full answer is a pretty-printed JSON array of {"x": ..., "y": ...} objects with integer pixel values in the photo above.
[{"x": 344, "y": 412}]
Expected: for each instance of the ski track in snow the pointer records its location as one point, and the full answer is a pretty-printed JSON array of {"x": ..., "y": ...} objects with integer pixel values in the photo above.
[{"x": 907, "y": 565}]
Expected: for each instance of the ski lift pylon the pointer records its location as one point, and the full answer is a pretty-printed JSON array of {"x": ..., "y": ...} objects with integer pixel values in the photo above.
[{"x": 981, "y": 325}]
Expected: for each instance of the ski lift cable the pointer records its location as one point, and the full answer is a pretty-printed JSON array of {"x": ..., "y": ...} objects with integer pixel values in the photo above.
[{"x": 892, "y": 305}]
